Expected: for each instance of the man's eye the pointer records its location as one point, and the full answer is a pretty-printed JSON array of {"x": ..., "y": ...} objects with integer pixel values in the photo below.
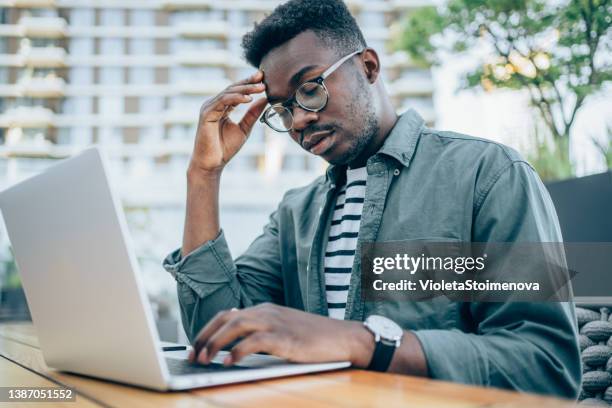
[{"x": 309, "y": 89}]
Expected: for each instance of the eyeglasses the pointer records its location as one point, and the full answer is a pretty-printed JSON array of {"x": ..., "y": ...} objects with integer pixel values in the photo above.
[{"x": 311, "y": 96}]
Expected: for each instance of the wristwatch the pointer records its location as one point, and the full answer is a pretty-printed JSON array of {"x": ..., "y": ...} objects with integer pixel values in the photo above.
[{"x": 388, "y": 336}]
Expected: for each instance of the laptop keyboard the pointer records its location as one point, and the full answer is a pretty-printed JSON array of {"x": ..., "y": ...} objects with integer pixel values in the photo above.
[{"x": 184, "y": 367}]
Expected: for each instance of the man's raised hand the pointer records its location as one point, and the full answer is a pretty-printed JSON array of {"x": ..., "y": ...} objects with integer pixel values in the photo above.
[{"x": 218, "y": 138}]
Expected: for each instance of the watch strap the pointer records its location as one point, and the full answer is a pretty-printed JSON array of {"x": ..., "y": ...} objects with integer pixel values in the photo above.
[{"x": 382, "y": 356}]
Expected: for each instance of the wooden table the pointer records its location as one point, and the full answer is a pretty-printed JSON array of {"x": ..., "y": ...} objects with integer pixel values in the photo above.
[{"x": 22, "y": 364}]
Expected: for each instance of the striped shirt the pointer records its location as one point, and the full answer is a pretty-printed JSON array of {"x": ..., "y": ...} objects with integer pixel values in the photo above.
[{"x": 342, "y": 241}]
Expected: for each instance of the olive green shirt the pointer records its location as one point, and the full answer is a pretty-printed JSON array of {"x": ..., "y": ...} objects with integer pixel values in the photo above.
[{"x": 422, "y": 184}]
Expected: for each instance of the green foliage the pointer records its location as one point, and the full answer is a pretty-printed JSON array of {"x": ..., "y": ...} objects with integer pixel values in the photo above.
[
  {"x": 11, "y": 276},
  {"x": 550, "y": 159},
  {"x": 551, "y": 49},
  {"x": 424, "y": 23},
  {"x": 13, "y": 280}
]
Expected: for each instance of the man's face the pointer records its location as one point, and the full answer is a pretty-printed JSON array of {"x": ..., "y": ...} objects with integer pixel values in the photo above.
[{"x": 341, "y": 131}]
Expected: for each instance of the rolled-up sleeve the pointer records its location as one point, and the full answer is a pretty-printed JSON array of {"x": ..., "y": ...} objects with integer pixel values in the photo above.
[
  {"x": 209, "y": 280},
  {"x": 191, "y": 270},
  {"x": 530, "y": 347}
]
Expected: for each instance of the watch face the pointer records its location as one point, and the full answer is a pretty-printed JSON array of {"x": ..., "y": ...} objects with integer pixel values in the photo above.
[{"x": 385, "y": 328}]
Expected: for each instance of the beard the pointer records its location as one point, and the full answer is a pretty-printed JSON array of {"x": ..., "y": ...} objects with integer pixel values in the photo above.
[{"x": 362, "y": 110}]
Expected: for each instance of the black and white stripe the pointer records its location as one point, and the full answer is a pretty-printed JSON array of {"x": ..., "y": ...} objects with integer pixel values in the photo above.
[{"x": 342, "y": 241}]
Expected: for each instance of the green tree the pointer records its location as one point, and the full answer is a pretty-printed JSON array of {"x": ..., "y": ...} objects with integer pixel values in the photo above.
[{"x": 559, "y": 51}]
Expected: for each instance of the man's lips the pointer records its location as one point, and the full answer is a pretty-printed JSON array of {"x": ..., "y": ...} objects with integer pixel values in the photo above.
[{"x": 311, "y": 140}]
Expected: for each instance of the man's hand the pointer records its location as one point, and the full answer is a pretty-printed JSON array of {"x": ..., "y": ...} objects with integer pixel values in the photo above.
[
  {"x": 218, "y": 139},
  {"x": 284, "y": 332}
]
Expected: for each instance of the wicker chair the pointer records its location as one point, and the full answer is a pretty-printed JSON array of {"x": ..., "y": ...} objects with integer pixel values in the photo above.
[{"x": 596, "y": 346}]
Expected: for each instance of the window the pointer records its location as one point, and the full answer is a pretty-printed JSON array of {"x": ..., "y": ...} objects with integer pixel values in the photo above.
[
  {"x": 151, "y": 134},
  {"x": 75, "y": 136},
  {"x": 182, "y": 75},
  {"x": 112, "y": 17},
  {"x": 43, "y": 42},
  {"x": 142, "y": 18},
  {"x": 111, "y": 105},
  {"x": 185, "y": 103},
  {"x": 81, "y": 46},
  {"x": 43, "y": 12},
  {"x": 81, "y": 76},
  {"x": 27, "y": 101},
  {"x": 111, "y": 46},
  {"x": 237, "y": 18},
  {"x": 81, "y": 135},
  {"x": 79, "y": 105},
  {"x": 42, "y": 72},
  {"x": 151, "y": 105},
  {"x": 180, "y": 133},
  {"x": 140, "y": 46},
  {"x": 110, "y": 135},
  {"x": 195, "y": 16},
  {"x": 82, "y": 17},
  {"x": 187, "y": 45},
  {"x": 111, "y": 75},
  {"x": 141, "y": 75}
]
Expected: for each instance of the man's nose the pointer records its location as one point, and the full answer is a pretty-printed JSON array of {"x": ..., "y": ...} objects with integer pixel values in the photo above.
[{"x": 303, "y": 118}]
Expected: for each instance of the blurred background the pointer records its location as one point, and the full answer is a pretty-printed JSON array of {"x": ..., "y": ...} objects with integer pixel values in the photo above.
[{"x": 130, "y": 76}]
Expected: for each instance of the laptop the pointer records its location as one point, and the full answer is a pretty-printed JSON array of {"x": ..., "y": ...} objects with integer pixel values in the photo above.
[{"x": 84, "y": 290}]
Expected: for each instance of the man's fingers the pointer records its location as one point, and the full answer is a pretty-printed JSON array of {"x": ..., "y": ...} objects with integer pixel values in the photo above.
[
  {"x": 229, "y": 100},
  {"x": 221, "y": 106},
  {"x": 250, "y": 117},
  {"x": 256, "y": 77},
  {"x": 259, "y": 342},
  {"x": 219, "y": 320},
  {"x": 238, "y": 326},
  {"x": 235, "y": 94},
  {"x": 246, "y": 89}
]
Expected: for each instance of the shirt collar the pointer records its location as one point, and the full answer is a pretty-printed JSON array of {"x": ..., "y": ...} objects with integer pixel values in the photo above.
[
  {"x": 399, "y": 144},
  {"x": 402, "y": 140}
]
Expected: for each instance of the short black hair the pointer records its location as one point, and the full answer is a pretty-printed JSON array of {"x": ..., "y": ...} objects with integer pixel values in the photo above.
[{"x": 330, "y": 20}]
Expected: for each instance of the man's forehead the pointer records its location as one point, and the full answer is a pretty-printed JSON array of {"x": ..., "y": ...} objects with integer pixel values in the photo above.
[
  {"x": 302, "y": 54},
  {"x": 304, "y": 47}
]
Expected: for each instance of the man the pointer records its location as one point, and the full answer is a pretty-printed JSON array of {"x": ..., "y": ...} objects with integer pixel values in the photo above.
[{"x": 296, "y": 292}]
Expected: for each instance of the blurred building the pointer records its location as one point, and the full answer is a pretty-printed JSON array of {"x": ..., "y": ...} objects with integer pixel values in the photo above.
[{"x": 131, "y": 75}]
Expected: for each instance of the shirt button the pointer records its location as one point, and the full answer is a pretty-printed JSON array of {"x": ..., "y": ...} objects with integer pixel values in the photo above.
[{"x": 396, "y": 172}]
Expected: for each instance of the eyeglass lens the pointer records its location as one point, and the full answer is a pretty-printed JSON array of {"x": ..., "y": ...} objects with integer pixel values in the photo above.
[
  {"x": 309, "y": 95},
  {"x": 279, "y": 118}
]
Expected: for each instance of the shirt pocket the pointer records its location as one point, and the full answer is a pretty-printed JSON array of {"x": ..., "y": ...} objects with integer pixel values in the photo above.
[{"x": 438, "y": 312}]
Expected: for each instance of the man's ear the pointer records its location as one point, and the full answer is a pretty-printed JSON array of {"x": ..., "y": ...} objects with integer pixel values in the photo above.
[{"x": 371, "y": 64}]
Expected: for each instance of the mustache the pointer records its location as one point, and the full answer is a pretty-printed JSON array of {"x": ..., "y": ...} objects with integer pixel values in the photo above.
[{"x": 314, "y": 129}]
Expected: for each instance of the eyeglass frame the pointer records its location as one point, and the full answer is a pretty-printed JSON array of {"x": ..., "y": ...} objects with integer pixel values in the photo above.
[{"x": 318, "y": 80}]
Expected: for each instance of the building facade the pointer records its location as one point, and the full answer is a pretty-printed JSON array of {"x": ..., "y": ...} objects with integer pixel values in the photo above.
[{"x": 130, "y": 76}]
